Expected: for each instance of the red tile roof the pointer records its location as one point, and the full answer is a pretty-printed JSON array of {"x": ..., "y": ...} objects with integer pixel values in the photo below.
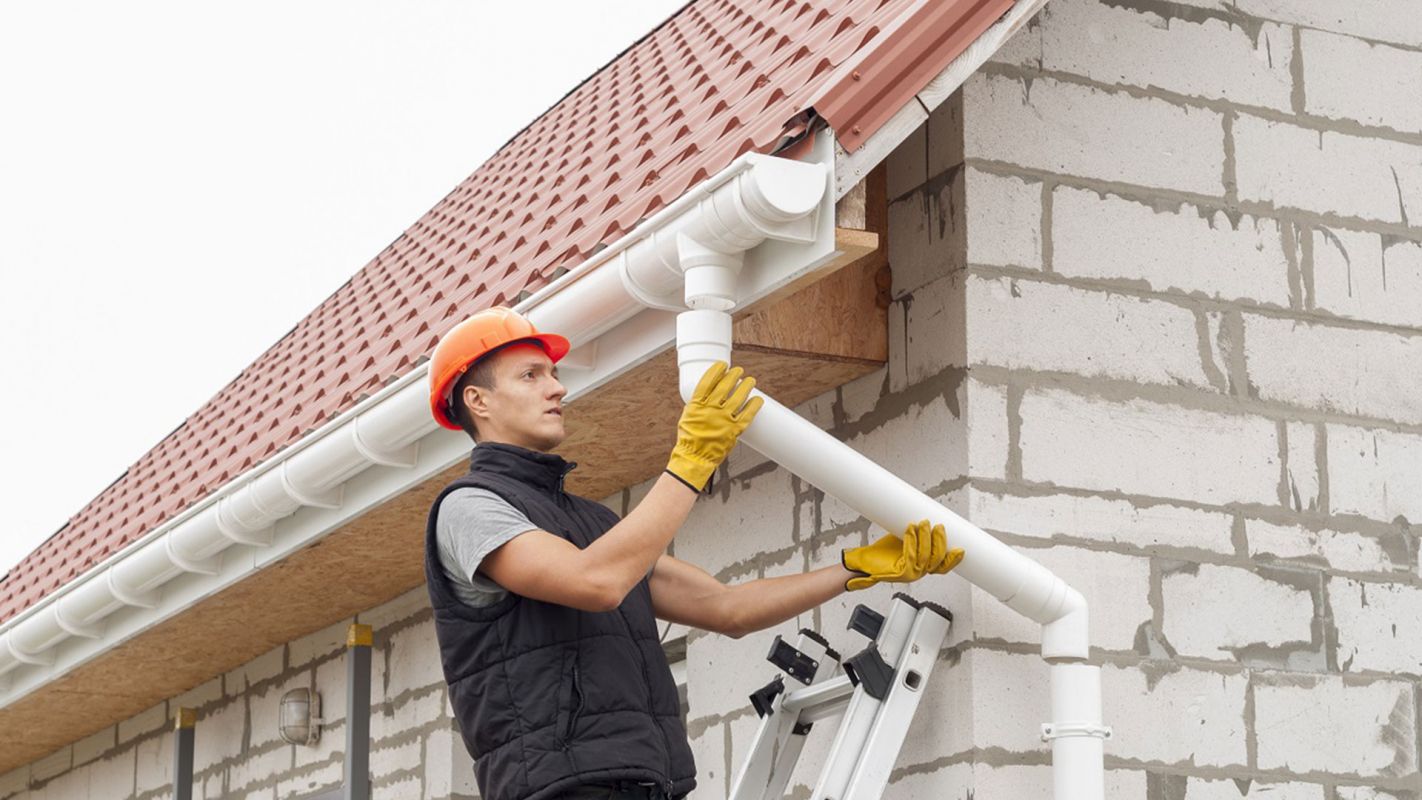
[{"x": 718, "y": 79}]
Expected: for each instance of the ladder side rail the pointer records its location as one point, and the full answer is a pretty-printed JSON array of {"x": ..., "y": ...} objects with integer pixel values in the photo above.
[
  {"x": 862, "y": 709},
  {"x": 768, "y": 751},
  {"x": 886, "y": 737}
]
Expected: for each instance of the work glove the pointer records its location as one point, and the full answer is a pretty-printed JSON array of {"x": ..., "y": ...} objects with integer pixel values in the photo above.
[
  {"x": 710, "y": 424},
  {"x": 920, "y": 552}
]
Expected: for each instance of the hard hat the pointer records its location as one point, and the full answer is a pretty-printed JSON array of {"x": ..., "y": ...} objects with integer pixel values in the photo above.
[{"x": 474, "y": 338}]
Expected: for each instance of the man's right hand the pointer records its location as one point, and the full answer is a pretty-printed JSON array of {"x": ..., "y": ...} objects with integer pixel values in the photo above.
[{"x": 711, "y": 423}]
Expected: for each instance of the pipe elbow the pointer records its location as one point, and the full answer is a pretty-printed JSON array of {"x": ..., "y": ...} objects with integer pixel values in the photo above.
[{"x": 1068, "y": 636}]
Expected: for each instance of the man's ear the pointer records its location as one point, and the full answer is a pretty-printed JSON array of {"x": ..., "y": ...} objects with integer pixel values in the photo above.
[{"x": 475, "y": 402}]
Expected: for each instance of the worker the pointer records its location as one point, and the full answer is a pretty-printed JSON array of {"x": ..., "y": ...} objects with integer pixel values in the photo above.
[{"x": 545, "y": 603}]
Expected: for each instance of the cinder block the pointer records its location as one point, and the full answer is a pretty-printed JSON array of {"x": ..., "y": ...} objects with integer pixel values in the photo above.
[
  {"x": 926, "y": 235},
  {"x": 395, "y": 758},
  {"x": 721, "y": 672},
  {"x": 757, "y": 517},
  {"x": 407, "y": 714},
  {"x": 200, "y": 695},
  {"x": 1116, "y": 522},
  {"x": 923, "y": 445},
  {"x": 1367, "y": 276},
  {"x": 709, "y": 752},
  {"x": 318, "y": 644},
  {"x": 154, "y": 762},
  {"x": 1148, "y": 448},
  {"x": 1116, "y": 587},
  {"x": 258, "y": 768},
  {"x": 1202, "y": 612},
  {"x": 223, "y": 735},
  {"x": 1351, "y": 552},
  {"x": 1373, "y": 473},
  {"x": 1184, "y": 716},
  {"x": 112, "y": 776},
  {"x": 310, "y": 780},
  {"x": 1368, "y": 793},
  {"x": 1004, "y": 218},
  {"x": 1387, "y": 20},
  {"x": 1379, "y": 625},
  {"x": 1076, "y": 130},
  {"x": 145, "y": 722},
  {"x": 1332, "y": 724},
  {"x": 1348, "y": 78},
  {"x": 1156, "y": 47},
  {"x": 1325, "y": 172},
  {"x": 1180, "y": 248},
  {"x": 1301, "y": 470},
  {"x": 93, "y": 746},
  {"x": 402, "y": 788},
  {"x": 1206, "y": 789},
  {"x": 906, "y": 168},
  {"x": 265, "y": 666},
  {"x": 934, "y": 329},
  {"x": 414, "y": 660},
  {"x": 1332, "y": 368},
  {"x": 1021, "y": 324},
  {"x": 953, "y": 782},
  {"x": 988, "y": 438},
  {"x": 14, "y": 781}
]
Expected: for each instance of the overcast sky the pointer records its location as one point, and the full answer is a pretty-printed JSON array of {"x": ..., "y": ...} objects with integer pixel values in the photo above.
[{"x": 181, "y": 182}]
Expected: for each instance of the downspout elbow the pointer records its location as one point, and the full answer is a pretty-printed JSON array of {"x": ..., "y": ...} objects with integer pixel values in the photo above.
[{"x": 1067, "y": 636}]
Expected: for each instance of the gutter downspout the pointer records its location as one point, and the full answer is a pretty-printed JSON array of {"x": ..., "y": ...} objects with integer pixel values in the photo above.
[{"x": 1076, "y": 732}]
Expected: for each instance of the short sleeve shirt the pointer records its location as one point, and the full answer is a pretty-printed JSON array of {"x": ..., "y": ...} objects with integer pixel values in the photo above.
[{"x": 473, "y": 523}]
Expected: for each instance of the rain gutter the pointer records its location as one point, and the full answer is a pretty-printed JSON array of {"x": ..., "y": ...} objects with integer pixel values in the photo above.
[{"x": 755, "y": 227}]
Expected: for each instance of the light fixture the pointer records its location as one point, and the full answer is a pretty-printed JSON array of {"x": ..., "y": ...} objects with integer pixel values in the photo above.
[{"x": 300, "y": 718}]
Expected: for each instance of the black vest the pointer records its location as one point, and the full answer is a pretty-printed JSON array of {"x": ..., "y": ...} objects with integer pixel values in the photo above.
[{"x": 549, "y": 697}]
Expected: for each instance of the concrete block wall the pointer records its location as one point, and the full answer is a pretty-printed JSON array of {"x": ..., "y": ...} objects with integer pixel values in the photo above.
[
  {"x": 1157, "y": 321},
  {"x": 416, "y": 752}
]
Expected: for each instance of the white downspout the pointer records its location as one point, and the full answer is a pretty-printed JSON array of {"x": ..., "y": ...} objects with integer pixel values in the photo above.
[{"x": 1076, "y": 732}]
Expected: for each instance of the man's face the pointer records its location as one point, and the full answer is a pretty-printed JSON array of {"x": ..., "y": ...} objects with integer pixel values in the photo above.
[{"x": 525, "y": 405}]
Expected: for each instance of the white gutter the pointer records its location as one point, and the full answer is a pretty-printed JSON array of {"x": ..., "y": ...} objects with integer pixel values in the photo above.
[{"x": 754, "y": 227}]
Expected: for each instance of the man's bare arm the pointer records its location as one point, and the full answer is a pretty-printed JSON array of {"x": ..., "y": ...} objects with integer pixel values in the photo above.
[
  {"x": 546, "y": 567},
  {"x": 686, "y": 594}
]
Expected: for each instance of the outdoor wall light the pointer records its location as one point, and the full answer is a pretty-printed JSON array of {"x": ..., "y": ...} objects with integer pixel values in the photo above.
[{"x": 300, "y": 717}]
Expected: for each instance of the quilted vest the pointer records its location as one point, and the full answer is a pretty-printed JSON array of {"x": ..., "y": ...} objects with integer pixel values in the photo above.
[{"x": 548, "y": 697}]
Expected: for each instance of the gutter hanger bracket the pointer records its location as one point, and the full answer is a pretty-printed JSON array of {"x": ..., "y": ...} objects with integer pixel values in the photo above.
[
  {"x": 405, "y": 458},
  {"x": 129, "y": 598},
  {"x": 237, "y": 532},
  {"x": 327, "y": 499},
  {"x": 205, "y": 566}
]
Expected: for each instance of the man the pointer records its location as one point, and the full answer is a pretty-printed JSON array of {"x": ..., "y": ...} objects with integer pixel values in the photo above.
[{"x": 546, "y": 603}]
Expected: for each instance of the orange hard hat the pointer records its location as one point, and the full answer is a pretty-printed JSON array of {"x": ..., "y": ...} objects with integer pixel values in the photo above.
[{"x": 473, "y": 339}]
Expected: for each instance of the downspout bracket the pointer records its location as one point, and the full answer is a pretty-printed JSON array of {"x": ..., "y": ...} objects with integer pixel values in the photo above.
[{"x": 1062, "y": 730}]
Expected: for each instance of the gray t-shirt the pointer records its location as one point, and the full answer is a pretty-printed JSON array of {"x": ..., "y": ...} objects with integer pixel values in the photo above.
[{"x": 473, "y": 523}]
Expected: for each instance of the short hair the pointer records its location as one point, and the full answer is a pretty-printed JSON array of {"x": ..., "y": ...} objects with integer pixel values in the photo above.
[{"x": 480, "y": 374}]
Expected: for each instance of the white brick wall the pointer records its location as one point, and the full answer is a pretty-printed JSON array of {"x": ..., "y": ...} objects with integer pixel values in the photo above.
[
  {"x": 1179, "y": 247},
  {"x": 1368, "y": 276},
  {"x": 1328, "y": 724},
  {"x": 1076, "y": 130},
  {"x": 1388, "y": 20},
  {"x": 1149, "y": 46},
  {"x": 1203, "y": 612},
  {"x": 1364, "y": 372},
  {"x": 1378, "y": 625},
  {"x": 1373, "y": 472},
  {"x": 1290, "y": 166},
  {"x": 1349, "y": 78},
  {"x": 1182, "y": 716},
  {"x": 1147, "y": 448},
  {"x": 1091, "y": 333},
  {"x": 1004, "y": 220}
]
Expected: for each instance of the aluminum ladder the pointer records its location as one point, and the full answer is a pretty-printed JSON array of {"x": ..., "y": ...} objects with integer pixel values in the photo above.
[{"x": 875, "y": 696}]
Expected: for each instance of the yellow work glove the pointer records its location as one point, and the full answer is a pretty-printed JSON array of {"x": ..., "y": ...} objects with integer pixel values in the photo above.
[
  {"x": 920, "y": 552},
  {"x": 711, "y": 422}
]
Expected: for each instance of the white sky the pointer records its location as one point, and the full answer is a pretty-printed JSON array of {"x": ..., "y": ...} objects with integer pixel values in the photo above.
[{"x": 181, "y": 182}]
